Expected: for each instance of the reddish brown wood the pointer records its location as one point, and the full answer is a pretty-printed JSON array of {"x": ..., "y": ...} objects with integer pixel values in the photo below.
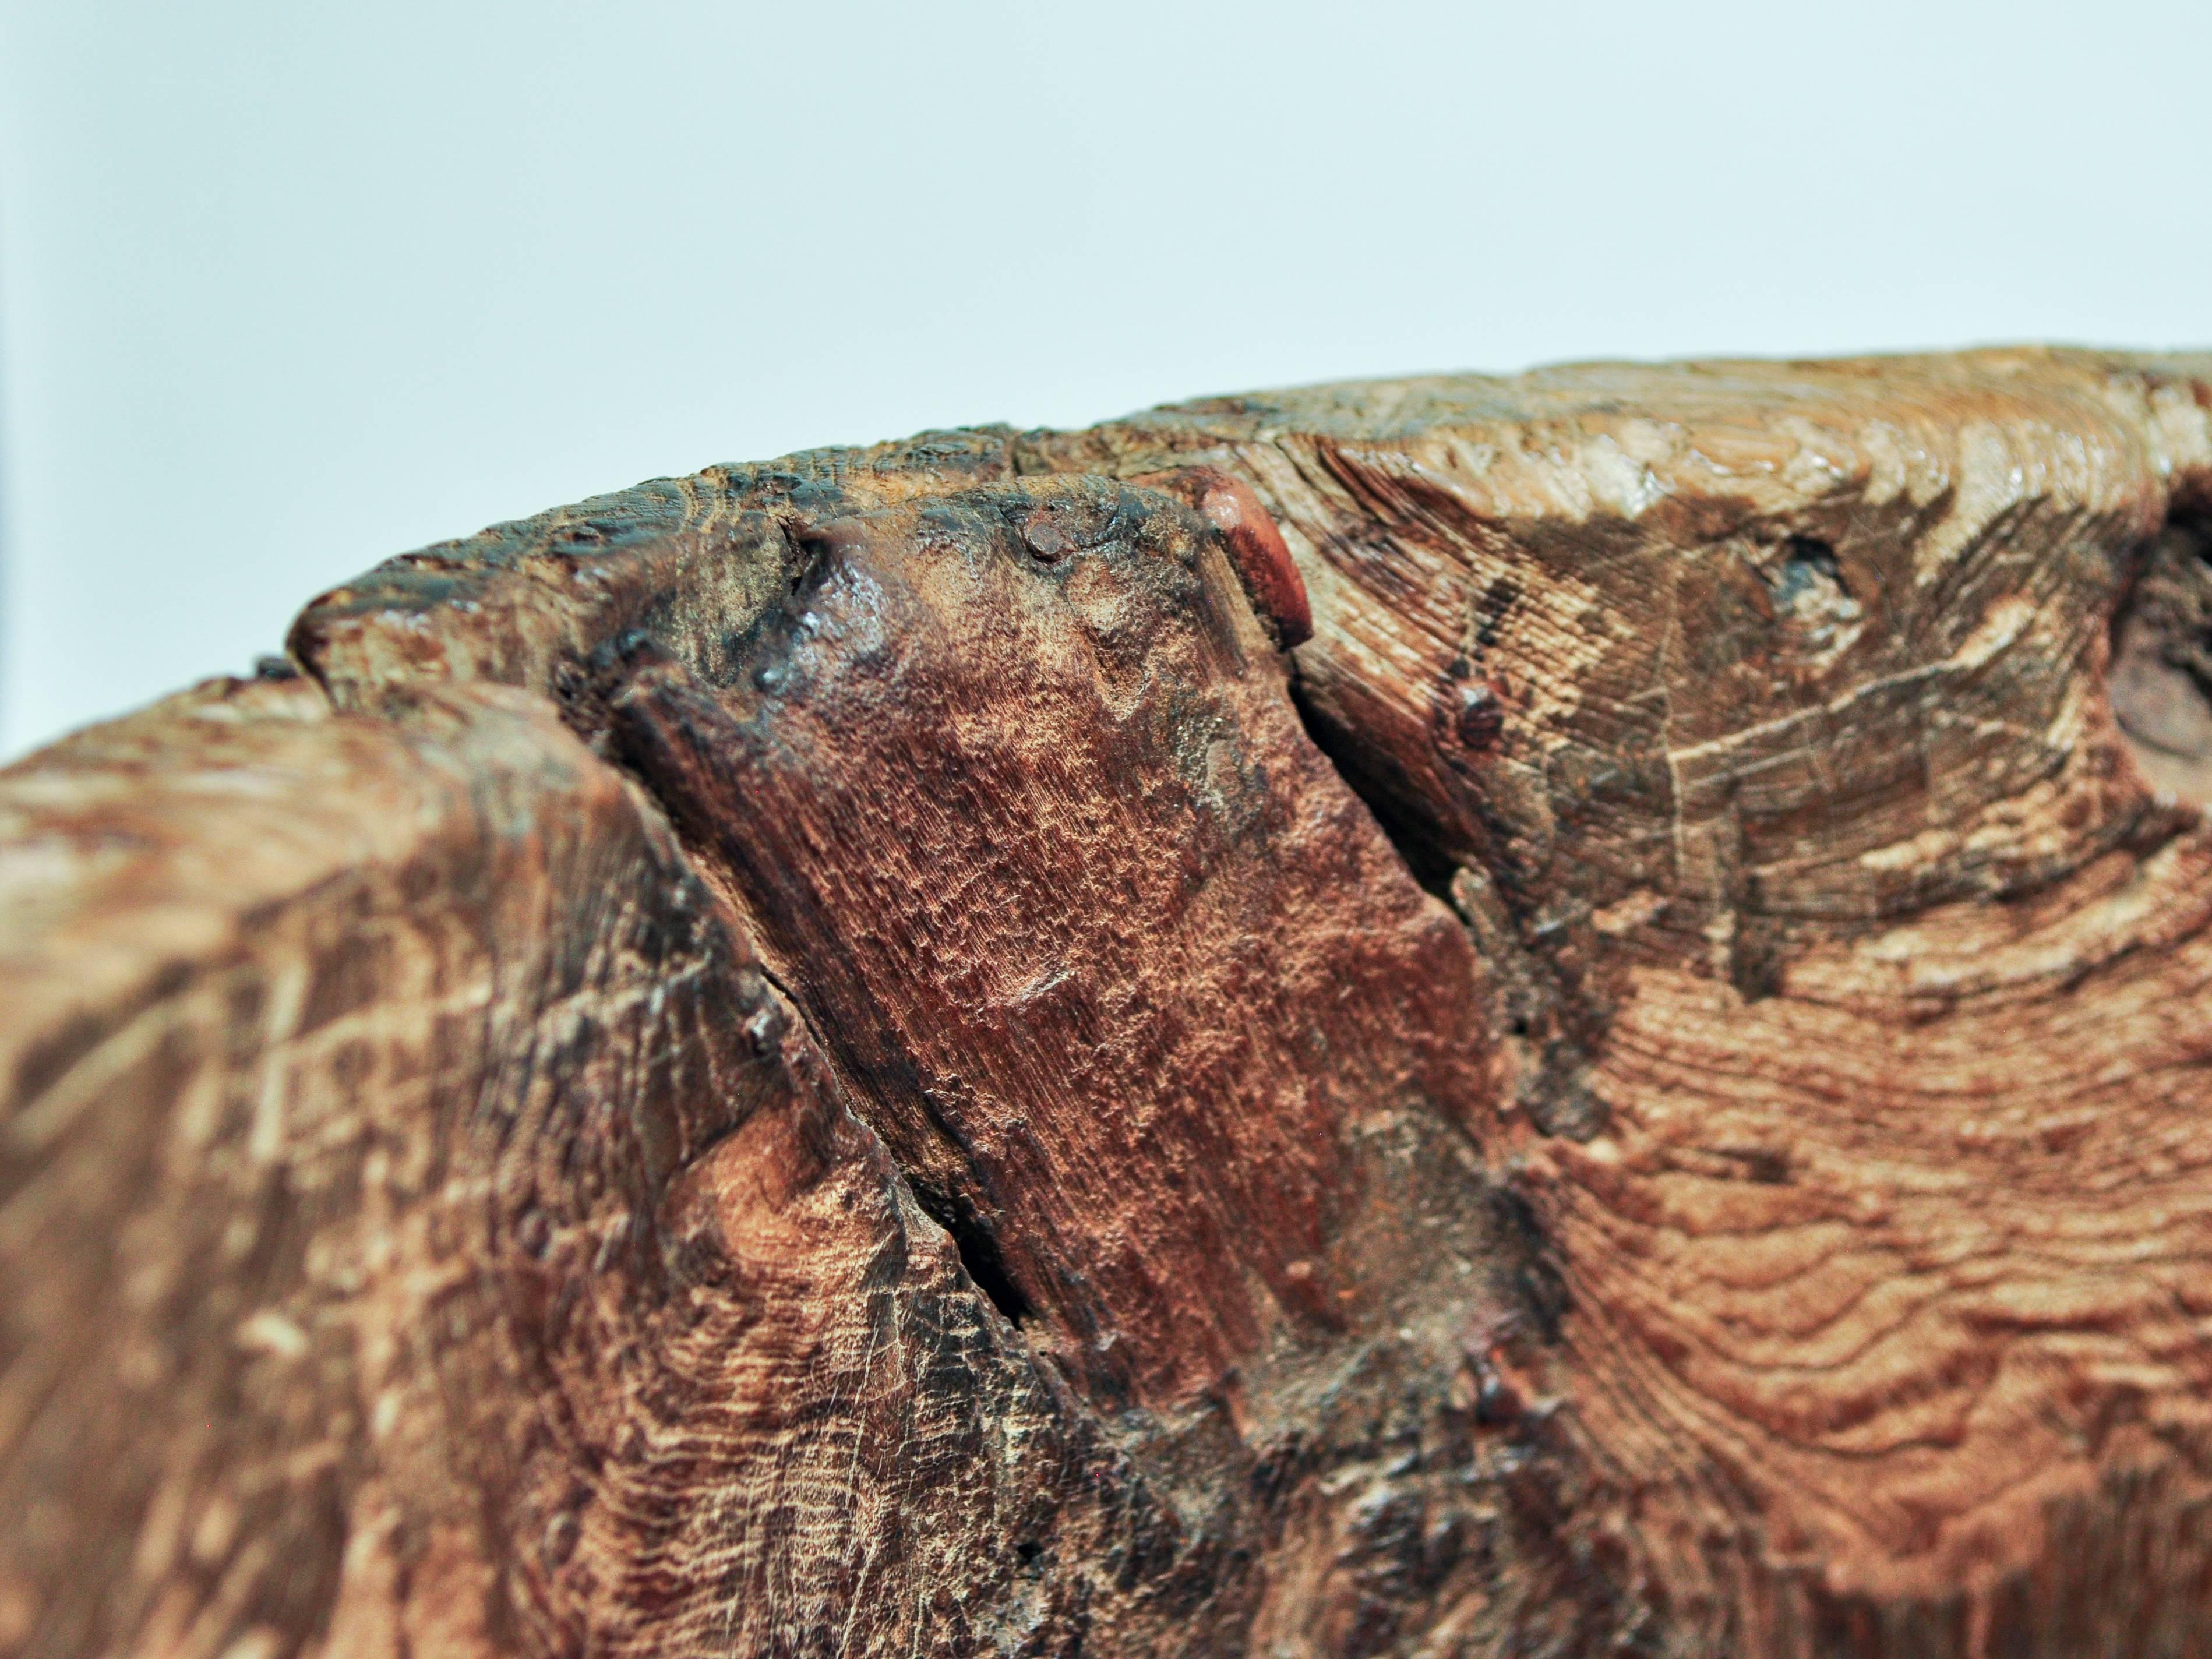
[{"x": 1562, "y": 1015}]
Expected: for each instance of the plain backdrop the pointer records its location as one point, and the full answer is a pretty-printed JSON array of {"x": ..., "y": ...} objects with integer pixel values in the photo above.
[{"x": 287, "y": 286}]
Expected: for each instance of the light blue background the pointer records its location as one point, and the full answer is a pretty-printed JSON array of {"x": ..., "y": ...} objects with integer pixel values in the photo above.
[{"x": 287, "y": 286}]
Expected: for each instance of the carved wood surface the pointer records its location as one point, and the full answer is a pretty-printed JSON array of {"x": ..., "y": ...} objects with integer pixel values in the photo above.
[{"x": 1449, "y": 1017}]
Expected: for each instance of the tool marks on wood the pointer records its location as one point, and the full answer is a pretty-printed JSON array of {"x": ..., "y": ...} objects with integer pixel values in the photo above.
[
  {"x": 1015, "y": 797},
  {"x": 1856, "y": 948},
  {"x": 472, "y": 1253}
]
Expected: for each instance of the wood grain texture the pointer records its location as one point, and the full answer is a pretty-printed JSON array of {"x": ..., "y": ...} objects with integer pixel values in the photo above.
[
  {"x": 479, "y": 1257},
  {"x": 1697, "y": 684},
  {"x": 1140, "y": 921},
  {"x": 1449, "y": 1017}
]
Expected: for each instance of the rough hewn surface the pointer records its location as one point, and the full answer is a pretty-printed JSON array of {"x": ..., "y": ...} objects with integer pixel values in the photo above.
[
  {"x": 475, "y": 1255},
  {"x": 1720, "y": 694},
  {"x": 879, "y": 1053},
  {"x": 1139, "y": 922}
]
